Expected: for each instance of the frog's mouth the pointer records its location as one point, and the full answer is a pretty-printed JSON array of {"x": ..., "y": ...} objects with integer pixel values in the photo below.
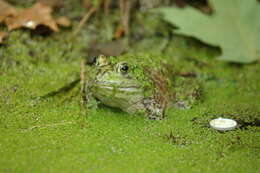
[
  {"x": 117, "y": 82},
  {"x": 120, "y": 88}
]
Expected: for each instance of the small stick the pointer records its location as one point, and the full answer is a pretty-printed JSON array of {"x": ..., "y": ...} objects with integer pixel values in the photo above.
[
  {"x": 107, "y": 4},
  {"x": 121, "y": 7},
  {"x": 84, "y": 20},
  {"x": 82, "y": 80},
  {"x": 127, "y": 16},
  {"x": 125, "y": 8},
  {"x": 49, "y": 125}
]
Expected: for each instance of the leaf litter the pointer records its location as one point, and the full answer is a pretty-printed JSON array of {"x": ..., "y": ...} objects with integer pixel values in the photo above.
[
  {"x": 31, "y": 18},
  {"x": 3, "y": 35}
]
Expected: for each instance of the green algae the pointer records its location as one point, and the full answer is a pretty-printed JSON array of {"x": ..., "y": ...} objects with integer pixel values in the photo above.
[{"x": 57, "y": 135}]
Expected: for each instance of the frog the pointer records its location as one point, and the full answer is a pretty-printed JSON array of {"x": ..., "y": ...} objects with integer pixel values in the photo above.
[{"x": 135, "y": 84}]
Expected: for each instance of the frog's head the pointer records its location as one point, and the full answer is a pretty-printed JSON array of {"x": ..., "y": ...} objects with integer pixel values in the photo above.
[
  {"x": 123, "y": 83},
  {"x": 117, "y": 76}
]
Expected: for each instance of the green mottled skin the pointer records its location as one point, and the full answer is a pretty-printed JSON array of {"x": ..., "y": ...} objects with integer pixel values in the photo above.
[{"x": 147, "y": 86}]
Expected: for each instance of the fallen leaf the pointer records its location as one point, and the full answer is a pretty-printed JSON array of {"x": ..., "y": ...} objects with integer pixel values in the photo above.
[
  {"x": 234, "y": 27},
  {"x": 202, "y": 5},
  {"x": 6, "y": 10},
  {"x": 52, "y": 3},
  {"x": 38, "y": 14},
  {"x": 2, "y": 36},
  {"x": 63, "y": 21}
]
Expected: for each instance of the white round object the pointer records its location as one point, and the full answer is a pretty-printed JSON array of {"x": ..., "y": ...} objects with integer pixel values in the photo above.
[{"x": 223, "y": 124}]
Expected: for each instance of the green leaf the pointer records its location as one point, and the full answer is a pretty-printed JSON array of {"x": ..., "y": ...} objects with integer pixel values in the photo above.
[{"x": 235, "y": 27}]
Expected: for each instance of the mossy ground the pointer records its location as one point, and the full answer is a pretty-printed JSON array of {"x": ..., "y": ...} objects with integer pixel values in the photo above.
[{"x": 56, "y": 135}]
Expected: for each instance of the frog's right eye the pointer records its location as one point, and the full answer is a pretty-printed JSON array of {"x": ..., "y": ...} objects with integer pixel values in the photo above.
[
  {"x": 122, "y": 67},
  {"x": 101, "y": 60}
]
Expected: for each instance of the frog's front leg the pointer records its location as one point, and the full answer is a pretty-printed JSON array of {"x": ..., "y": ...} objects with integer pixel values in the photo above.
[
  {"x": 154, "y": 110},
  {"x": 90, "y": 102},
  {"x": 146, "y": 107}
]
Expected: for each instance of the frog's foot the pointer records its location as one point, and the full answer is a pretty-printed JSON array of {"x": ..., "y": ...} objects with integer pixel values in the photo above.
[
  {"x": 154, "y": 110},
  {"x": 135, "y": 108}
]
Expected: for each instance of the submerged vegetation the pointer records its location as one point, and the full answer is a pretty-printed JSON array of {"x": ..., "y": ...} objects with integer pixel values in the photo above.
[{"x": 43, "y": 132}]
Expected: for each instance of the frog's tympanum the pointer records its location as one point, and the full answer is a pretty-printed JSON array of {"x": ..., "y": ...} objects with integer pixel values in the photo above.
[{"x": 136, "y": 85}]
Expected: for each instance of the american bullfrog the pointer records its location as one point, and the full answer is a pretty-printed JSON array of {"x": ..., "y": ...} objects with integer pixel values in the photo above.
[{"x": 136, "y": 85}]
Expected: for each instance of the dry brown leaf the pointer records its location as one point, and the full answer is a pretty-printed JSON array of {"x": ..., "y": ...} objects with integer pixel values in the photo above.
[
  {"x": 2, "y": 36},
  {"x": 63, "y": 21},
  {"x": 52, "y": 3},
  {"x": 38, "y": 14},
  {"x": 6, "y": 10}
]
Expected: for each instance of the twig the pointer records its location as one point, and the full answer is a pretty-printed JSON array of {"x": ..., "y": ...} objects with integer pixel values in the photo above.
[
  {"x": 125, "y": 7},
  {"x": 49, "y": 125},
  {"x": 84, "y": 20},
  {"x": 127, "y": 16},
  {"x": 82, "y": 80},
  {"x": 107, "y": 4},
  {"x": 121, "y": 7}
]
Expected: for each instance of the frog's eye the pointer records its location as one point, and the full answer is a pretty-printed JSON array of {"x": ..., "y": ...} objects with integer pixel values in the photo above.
[
  {"x": 122, "y": 68},
  {"x": 102, "y": 60}
]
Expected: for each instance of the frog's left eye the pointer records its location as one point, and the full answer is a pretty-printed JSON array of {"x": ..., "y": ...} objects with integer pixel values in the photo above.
[{"x": 122, "y": 68}]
